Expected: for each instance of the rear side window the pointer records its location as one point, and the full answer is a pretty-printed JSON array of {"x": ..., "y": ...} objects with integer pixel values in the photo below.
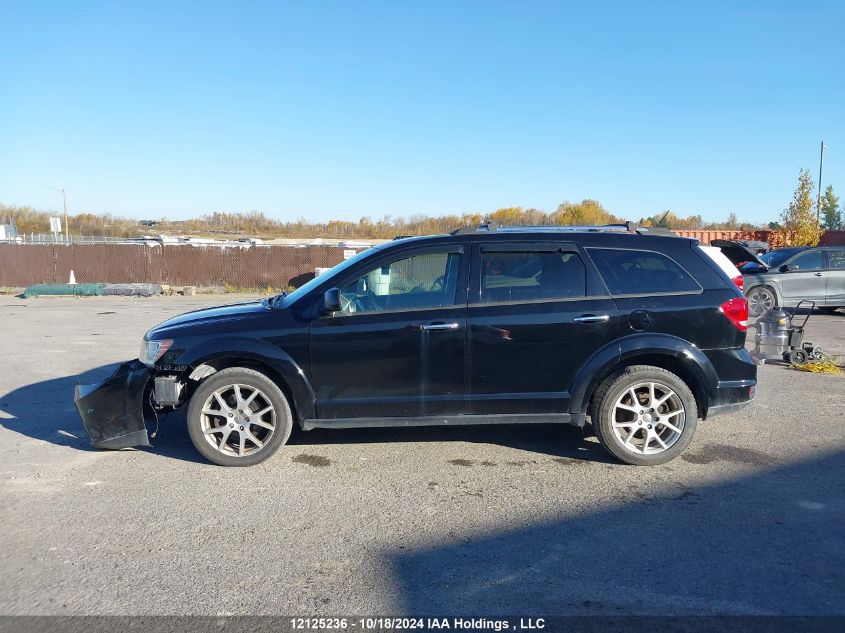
[
  {"x": 836, "y": 260},
  {"x": 531, "y": 275},
  {"x": 629, "y": 272}
]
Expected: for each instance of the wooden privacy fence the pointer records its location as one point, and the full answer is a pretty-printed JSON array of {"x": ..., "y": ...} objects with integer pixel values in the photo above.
[{"x": 278, "y": 266}]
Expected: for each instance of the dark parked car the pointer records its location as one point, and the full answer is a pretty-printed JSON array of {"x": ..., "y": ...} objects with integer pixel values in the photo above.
[
  {"x": 785, "y": 276},
  {"x": 641, "y": 334}
]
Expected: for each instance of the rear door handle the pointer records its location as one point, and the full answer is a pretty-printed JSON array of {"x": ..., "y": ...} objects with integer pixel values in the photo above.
[
  {"x": 818, "y": 274},
  {"x": 439, "y": 326},
  {"x": 592, "y": 318}
]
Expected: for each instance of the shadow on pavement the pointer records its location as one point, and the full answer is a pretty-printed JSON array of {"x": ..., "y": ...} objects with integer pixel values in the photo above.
[
  {"x": 45, "y": 411},
  {"x": 771, "y": 543},
  {"x": 554, "y": 440}
]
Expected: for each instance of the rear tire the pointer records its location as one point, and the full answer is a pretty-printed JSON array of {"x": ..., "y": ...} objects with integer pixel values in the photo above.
[
  {"x": 238, "y": 417},
  {"x": 652, "y": 429},
  {"x": 760, "y": 299}
]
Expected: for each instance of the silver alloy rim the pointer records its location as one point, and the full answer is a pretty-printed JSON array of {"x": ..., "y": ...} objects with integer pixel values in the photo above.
[
  {"x": 759, "y": 301},
  {"x": 238, "y": 420},
  {"x": 648, "y": 418}
]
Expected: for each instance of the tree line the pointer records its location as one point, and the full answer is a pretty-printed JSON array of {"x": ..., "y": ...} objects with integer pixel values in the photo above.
[{"x": 798, "y": 221}]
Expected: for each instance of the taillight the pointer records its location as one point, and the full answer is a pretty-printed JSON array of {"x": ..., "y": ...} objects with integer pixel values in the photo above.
[
  {"x": 738, "y": 281},
  {"x": 736, "y": 310}
]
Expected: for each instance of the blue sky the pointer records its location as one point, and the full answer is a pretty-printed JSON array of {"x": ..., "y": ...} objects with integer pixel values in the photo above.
[{"x": 343, "y": 109}]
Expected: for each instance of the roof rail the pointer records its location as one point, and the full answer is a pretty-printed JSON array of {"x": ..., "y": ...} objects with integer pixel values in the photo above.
[
  {"x": 629, "y": 227},
  {"x": 488, "y": 227}
]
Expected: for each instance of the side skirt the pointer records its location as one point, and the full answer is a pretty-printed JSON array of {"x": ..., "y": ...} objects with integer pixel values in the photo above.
[{"x": 445, "y": 420}]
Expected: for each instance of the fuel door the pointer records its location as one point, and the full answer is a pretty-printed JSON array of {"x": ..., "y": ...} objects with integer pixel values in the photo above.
[{"x": 639, "y": 320}]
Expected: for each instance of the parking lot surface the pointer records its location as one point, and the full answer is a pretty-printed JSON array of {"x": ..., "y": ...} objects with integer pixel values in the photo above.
[{"x": 464, "y": 520}]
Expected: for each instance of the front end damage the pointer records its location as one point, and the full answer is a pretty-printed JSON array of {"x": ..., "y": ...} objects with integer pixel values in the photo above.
[{"x": 112, "y": 411}]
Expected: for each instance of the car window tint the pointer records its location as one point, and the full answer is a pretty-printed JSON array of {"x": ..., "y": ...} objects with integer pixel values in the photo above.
[
  {"x": 531, "y": 275},
  {"x": 421, "y": 281},
  {"x": 808, "y": 261},
  {"x": 836, "y": 259},
  {"x": 628, "y": 272}
]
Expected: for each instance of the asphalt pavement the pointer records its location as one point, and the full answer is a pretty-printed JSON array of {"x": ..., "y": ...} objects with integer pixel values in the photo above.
[{"x": 533, "y": 520}]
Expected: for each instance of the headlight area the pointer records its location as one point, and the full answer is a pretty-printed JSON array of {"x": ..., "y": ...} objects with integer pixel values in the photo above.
[
  {"x": 168, "y": 389},
  {"x": 151, "y": 351}
]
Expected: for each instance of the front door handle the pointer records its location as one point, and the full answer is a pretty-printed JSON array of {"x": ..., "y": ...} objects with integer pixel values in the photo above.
[
  {"x": 439, "y": 326},
  {"x": 592, "y": 318},
  {"x": 818, "y": 274}
]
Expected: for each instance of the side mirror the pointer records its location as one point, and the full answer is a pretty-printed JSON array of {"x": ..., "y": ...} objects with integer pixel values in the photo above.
[
  {"x": 331, "y": 300},
  {"x": 784, "y": 268}
]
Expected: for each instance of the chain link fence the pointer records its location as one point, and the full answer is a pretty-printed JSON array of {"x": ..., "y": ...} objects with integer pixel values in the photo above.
[{"x": 258, "y": 267}]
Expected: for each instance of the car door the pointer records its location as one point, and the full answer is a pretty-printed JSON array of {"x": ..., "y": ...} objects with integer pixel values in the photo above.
[
  {"x": 396, "y": 348},
  {"x": 536, "y": 312},
  {"x": 804, "y": 277},
  {"x": 835, "y": 289}
]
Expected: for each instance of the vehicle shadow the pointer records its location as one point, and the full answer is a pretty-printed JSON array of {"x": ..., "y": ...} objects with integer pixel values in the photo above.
[
  {"x": 767, "y": 544},
  {"x": 554, "y": 440},
  {"x": 45, "y": 411}
]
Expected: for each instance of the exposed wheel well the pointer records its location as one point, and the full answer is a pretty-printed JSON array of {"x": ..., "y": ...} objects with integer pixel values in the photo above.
[
  {"x": 225, "y": 362},
  {"x": 669, "y": 363}
]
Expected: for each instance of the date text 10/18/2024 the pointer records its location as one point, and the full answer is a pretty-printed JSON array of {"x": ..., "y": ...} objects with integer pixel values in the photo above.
[{"x": 410, "y": 624}]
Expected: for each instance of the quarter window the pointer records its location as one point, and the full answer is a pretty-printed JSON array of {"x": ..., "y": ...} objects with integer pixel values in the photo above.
[
  {"x": 836, "y": 260},
  {"x": 531, "y": 275},
  {"x": 629, "y": 272},
  {"x": 422, "y": 281},
  {"x": 807, "y": 261}
]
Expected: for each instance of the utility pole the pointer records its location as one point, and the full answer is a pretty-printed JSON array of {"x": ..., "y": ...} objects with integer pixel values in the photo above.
[
  {"x": 819, "y": 197},
  {"x": 64, "y": 202}
]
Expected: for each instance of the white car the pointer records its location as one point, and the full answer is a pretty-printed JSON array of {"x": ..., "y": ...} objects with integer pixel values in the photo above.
[{"x": 715, "y": 253}]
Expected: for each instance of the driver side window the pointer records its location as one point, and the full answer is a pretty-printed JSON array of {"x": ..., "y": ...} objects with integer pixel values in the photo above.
[
  {"x": 807, "y": 261},
  {"x": 422, "y": 281}
]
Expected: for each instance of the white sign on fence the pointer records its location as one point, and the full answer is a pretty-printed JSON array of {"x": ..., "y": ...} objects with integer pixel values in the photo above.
[
  {"x": 55, "y": 225},
  {"x": 349, "y": 253}
]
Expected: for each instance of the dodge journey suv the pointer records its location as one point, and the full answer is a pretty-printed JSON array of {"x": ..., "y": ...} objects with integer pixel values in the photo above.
[{"x": 638, "y": 333}]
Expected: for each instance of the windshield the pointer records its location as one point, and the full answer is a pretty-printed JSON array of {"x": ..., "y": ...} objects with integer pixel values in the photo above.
[{"x": 285, "y": 300}]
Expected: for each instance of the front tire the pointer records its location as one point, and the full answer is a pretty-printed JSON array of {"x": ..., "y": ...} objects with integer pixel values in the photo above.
[
  {"x": 238, "y": 417},
  {"x": 644, "y": 415}
]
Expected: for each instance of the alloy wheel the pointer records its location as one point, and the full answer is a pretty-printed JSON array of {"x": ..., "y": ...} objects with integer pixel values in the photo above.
[
  {"x": 760, "y": 300},
  {"x": 648, "y": 418},
  {"x": 238, "y": 420}
]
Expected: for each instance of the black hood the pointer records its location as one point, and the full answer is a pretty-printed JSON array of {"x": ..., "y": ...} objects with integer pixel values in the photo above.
[
  {"x": 738, "y": 253},
  {"x": 241, "y": 310}
]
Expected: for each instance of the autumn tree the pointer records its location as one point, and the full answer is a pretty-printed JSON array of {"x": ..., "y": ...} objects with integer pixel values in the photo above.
[
  {"x": 831, "y": 213},
  {"x": 587, "y": 212},
  {"x": 509, "y": 216},
  {"x": 799, "y": 219}
]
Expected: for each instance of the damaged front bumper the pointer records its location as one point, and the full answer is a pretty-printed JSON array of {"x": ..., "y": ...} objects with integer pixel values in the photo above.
[{"x": 112, "y": 412}]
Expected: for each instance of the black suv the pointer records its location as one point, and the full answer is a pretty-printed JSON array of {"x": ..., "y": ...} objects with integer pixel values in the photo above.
[{"x": 640, "y": 333}]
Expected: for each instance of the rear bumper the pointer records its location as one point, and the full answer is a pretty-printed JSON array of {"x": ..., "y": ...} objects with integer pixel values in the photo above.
[
  {"x": 112, "y": 411},
  {"x": 731, "y": 396},
  {"x": 737, "y": 374}
]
